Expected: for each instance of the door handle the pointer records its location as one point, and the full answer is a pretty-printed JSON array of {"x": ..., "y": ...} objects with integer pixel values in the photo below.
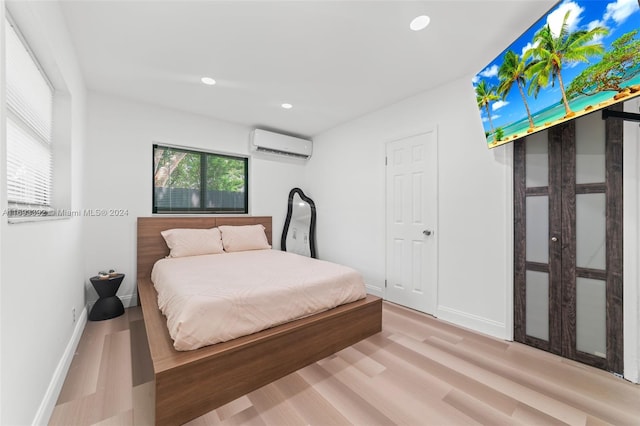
[
  {"x": 427, "y": 232},
  {"x": 554, "y": 239}
]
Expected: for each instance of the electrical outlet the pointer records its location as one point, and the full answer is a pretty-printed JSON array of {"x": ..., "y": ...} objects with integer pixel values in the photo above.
[{"x": 73, "y": 312}]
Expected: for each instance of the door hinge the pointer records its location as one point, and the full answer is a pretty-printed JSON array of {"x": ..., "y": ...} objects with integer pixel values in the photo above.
[
  {"x": 385, "y": 283},
  {"x": 385, "y": 161}
]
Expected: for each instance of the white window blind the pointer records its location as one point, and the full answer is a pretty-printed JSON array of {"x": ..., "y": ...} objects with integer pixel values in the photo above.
[{"x": 29, "y": 124}]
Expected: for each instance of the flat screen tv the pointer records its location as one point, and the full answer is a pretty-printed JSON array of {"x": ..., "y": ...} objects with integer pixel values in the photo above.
[{"x": 582, "y": 56}]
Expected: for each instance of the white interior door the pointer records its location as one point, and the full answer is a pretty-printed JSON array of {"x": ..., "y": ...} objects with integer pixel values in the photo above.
[{"x": 412, "y": 213}]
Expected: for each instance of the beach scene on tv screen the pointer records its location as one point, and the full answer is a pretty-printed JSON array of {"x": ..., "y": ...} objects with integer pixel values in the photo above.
[{"x": 580, "y": 57}]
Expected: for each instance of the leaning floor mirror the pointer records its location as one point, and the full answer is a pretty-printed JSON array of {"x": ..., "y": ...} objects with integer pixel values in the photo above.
[{"x": 298, "y": 234}]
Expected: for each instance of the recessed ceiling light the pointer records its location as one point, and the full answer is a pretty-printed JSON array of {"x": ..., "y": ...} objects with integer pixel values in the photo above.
[
  {"x": 287, "y": 106},
  {"x": 208, "y": 81},
  {"x": 419, "y": 22}
]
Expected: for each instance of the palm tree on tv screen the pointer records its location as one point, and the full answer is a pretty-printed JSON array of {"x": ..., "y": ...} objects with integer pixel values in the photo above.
[
  {"x": 485, "y": 95},
  {"x": 511, "y": 71},
  {"x": 551, "y": 52}
]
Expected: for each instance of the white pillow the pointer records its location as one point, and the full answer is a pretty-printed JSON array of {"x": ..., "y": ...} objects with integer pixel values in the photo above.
[
  {"x": 193, "y": 242},
  {"x": 244, "y": 237}
]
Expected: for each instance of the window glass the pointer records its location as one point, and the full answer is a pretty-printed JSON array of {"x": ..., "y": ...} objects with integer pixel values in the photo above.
[
  {"x": 226, "y": 178},
  {"x": 176, "y": 179}
]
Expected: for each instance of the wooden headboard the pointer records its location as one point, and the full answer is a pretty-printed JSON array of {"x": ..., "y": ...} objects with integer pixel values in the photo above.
[{"x": 152, "y": 247}]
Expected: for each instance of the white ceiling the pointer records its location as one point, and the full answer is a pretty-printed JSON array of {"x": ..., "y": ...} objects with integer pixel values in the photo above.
[{"x": 333, "y": 60}]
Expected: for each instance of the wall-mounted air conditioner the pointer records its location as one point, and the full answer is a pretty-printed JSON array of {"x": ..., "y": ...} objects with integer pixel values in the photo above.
[{"x": 276, "y": 143}]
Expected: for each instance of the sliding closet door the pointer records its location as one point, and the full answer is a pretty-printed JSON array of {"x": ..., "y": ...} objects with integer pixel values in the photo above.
[
  {"x": 568, "y": 241},
  {"x": 537, "y": 249}
]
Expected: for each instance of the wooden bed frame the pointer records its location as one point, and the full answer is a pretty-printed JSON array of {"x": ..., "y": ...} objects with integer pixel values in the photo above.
[{"x": 191, "y": 383}]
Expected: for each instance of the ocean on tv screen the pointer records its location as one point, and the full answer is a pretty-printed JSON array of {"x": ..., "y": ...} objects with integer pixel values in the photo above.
[{"x": 582, "y": 56}]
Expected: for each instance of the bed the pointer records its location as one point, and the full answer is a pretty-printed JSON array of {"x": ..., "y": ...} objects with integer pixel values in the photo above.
[{"x": 191, "y": 383}]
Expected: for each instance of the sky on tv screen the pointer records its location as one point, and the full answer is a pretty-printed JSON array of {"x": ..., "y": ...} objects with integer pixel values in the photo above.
[{"x": 595, "y": 61}]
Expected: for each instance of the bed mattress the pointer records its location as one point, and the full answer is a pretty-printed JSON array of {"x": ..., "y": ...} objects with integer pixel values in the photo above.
[{"x": 214, "y": 298}]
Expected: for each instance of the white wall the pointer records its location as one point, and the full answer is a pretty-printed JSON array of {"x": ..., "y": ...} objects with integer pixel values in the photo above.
[
  {"x": 3, "y": 191},
  {"x": 42, "y": 263},
  {"x": 119, "y": 175},
  {"x": 631, "y": 244},
  {"x": 346, "y": 176}
]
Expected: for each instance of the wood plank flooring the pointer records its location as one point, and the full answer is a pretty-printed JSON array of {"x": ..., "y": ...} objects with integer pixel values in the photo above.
[{"x": 418, "y": 371}]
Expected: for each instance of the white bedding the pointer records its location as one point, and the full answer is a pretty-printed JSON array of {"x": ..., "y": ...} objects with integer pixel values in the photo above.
[{"x": 214, "y": 298}]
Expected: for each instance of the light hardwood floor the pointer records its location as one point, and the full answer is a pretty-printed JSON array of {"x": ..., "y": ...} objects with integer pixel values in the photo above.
[{"x": 418, "y": 371}]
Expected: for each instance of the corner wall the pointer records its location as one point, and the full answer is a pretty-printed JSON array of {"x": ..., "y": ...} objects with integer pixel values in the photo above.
[
  {"x": 42, "y": 263},
  {"x": 346, "y": 179}
]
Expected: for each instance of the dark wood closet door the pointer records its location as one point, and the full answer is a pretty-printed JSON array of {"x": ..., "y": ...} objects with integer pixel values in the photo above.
[{"x": 568, "y": 241}]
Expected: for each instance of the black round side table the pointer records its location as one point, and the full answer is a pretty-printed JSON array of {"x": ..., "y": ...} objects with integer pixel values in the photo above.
[{"x": 108, "y": 304}]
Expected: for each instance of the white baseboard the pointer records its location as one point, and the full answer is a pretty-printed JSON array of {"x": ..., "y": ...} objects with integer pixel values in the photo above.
[
  {"x": 51, "y": 396},
  {"x": 473, "y": 322},
  {"x": 129, "y": 300},
  {"x": 376, "y": 291}
]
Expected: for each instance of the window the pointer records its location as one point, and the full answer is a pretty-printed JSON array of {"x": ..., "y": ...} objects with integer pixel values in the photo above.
[
  {"x": 29, "y": 130},
  {"x": 186, "y": 181}
]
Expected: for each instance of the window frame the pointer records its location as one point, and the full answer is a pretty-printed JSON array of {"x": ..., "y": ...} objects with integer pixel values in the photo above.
[{"x": 204, "y": 155}]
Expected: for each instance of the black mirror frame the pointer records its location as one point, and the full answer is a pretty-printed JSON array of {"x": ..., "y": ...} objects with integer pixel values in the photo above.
[{"x": 312, "y": 226}]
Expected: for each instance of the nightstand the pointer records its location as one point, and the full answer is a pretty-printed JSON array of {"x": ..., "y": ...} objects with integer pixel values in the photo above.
[{"x": 108, "y": 304}]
